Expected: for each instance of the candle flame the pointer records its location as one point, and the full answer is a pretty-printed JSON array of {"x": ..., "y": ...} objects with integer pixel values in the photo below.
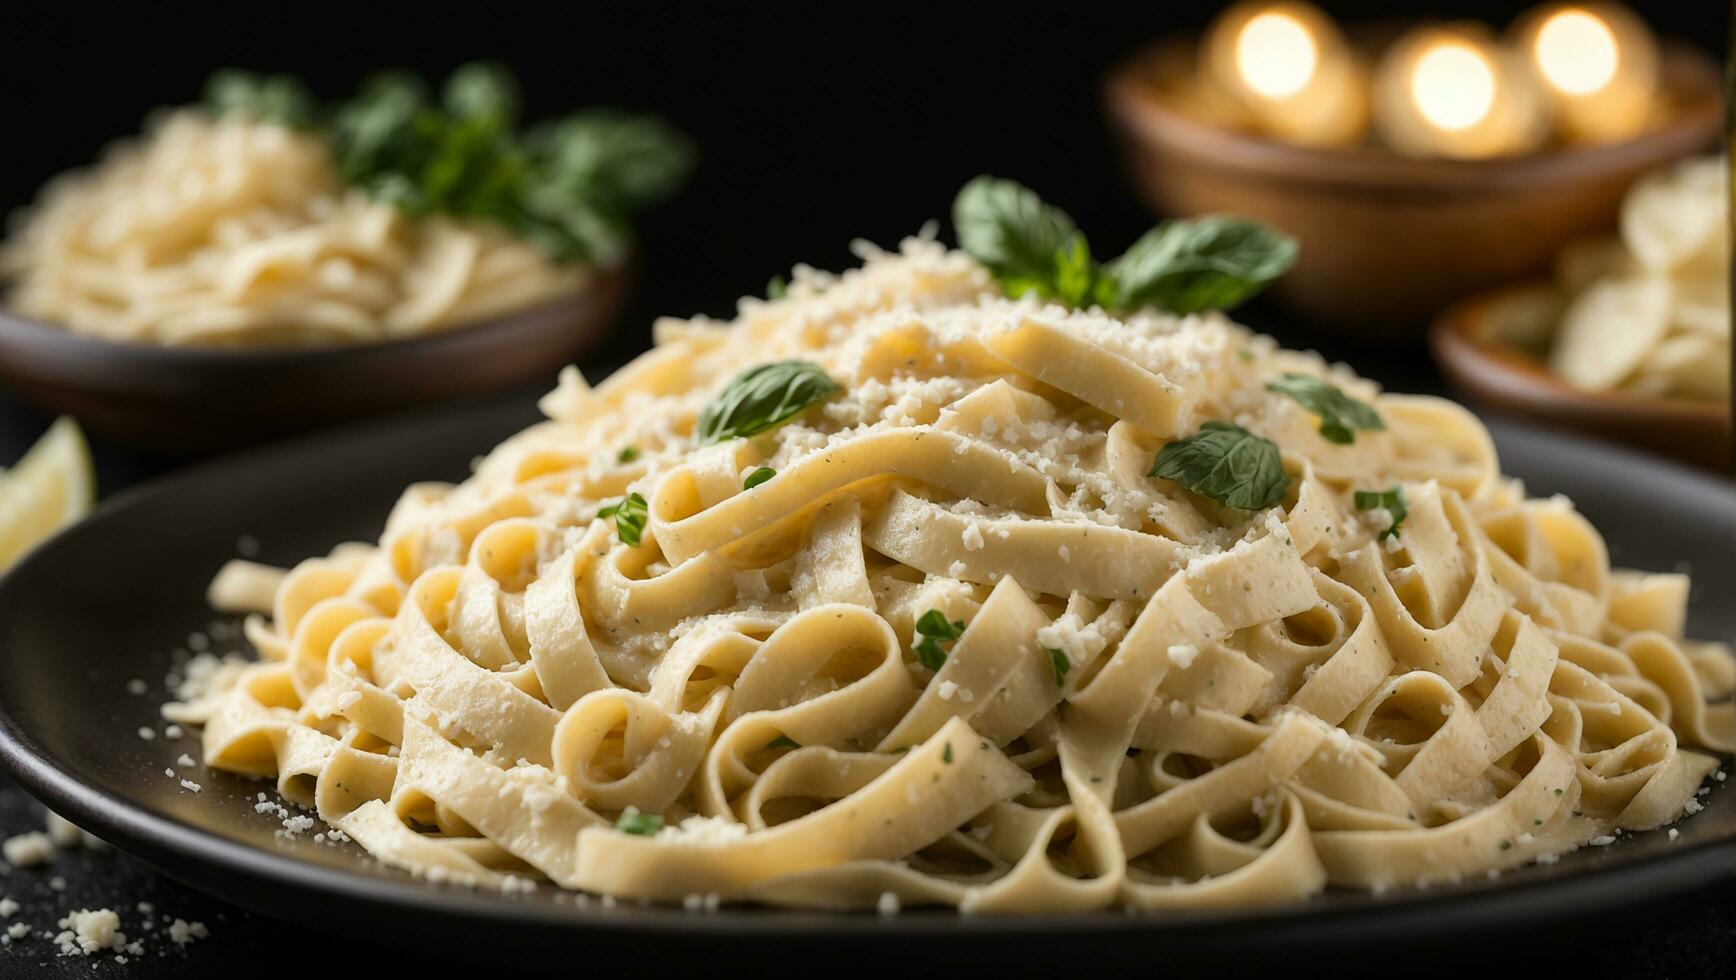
[
  {"x": 1276, "y": 55},
  {"x": 1453, "y": 85},
  {"x": 1577, "y": 52}
]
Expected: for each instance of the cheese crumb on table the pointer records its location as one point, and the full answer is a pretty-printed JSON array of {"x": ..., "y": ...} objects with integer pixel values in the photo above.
[
  {"x": 28, "y": 850},
  {"x": 88, "y": 931},
  {"x": 182, "y": 932}
]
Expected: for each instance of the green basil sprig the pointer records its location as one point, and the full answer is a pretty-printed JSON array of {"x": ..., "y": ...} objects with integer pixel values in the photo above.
[
  {"x": 1340, "y": 414},
  {"x": 1215, "y": 262},
  {"x": 569, "y": 186},
  {"x": 1228, "y": 464},
  {"x": 1392, "y": 500},
  {"x": 1211, "y": 263},
  {"x": 764, "y": 398},
  {"x": 933, "y": 629},
  {"x": 758, "y": 477}
]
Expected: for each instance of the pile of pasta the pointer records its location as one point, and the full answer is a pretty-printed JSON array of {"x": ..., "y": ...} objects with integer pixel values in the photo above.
[
  {"x": 233, "y": 232},
  {"x": 1154, "y": 702},
  {"x": 1648, "y": 311}
]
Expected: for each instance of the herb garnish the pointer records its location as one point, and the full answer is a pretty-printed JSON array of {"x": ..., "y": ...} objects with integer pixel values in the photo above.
[
  {"x": 642, "y": 824},
  {"x": 1339, "y": 413},
  {"x": 946, "y": 753},
  {"x": 1214, "y": 262},
  {"x": 777, "y": 288},
  {"x": 783, "y": 742},
  {"x": 933, "y": 629},
  {"x": 764, "y": 398},
  {"x": 629, "y": 513},
  {"x": 569, "y": 186},
  {"x": 1211, "y": 263},
  {"x": 758, "y": 477},
  {"x": 627, "y": 454},
  {"x": 1392, "y": 500},
  {"x": 281, "y": 99},
  {"x": 1059, "y": 662},
  {"x": 1226, "y": 463}
]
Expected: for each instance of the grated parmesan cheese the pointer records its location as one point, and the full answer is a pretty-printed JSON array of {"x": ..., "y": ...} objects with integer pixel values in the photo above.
[
  {"x": 88, "y": 931},
  {"x": 28, "y": 850}
]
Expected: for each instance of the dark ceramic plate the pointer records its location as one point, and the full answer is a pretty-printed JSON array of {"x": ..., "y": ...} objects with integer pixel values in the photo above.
[
  {"x": 110, "y": 599},
  {"x": 182, "y": 401}
]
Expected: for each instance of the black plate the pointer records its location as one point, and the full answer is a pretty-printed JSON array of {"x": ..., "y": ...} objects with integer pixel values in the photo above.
[{"x": 110, "y": 600}]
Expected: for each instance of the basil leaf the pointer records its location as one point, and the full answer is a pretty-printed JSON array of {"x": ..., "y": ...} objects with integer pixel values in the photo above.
[
  {"x": 933, "y": 629},
  {"x": 569, "y": 187},
  {"x": 641, "y": 824},
  {"x": 483, "y": 90},
  {"x": 1016, "y": 236},
  {"x": 758, "y": 477},
  {"x": 1210, "y": 263},
  {"x": 1059, "y": 662},
  {"x": 281, "y": 99},
  {"x": 777, "y": 288},
  {"x": 1392, "y": 500},
  {"x": 764, "y": 398},
  {"x": 1340, "y": 414},
  {"x": 615, "y": 161},
  {"x": 630, "y": 514},
  {"x": 627, "y": 454},
  {"x": 1076, "y": 273},
  {"x": 1228, "y": 464}
]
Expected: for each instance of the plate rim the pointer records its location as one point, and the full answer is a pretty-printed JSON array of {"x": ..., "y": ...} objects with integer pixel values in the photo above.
[{"x": 204, "y": 860}]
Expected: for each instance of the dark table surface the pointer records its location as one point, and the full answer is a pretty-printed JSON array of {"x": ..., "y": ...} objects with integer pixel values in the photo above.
[{"x": 1691, "y": 936}]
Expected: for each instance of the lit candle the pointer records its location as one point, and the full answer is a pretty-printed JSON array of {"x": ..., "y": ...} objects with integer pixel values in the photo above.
[
  {"x": 1288, "y": 68},
  {"x": 1596, "y": 63},
  {"x": 1451, "y": 91}
]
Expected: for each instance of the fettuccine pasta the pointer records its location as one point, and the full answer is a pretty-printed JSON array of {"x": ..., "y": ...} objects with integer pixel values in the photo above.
[
  {"x": 230, "y": 232},
  {"x": 1137, "y": 697}
]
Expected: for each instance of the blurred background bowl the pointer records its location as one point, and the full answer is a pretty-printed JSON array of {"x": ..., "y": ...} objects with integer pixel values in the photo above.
[
  {"x": 1488, "y": 345},
  {"x": 186, "y": 401},
  {"x": 1389, "y": 240}
]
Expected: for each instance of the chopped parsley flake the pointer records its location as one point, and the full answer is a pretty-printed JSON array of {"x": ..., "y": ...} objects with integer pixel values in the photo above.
[
  {"x": 1392, "y": 500},
  {"x": 640, "y": 824},
  {"x": 933, "y": 629},
  {"x": 629, "y": 513},
  {"x": 1058, "y": 660}
]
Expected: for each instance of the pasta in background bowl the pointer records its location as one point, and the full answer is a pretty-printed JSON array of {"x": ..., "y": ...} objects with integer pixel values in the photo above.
[
  {"x": 256, "y": 220},
  {"x": 1001, "y": 579},
  {"x": 387, "y": 251}
]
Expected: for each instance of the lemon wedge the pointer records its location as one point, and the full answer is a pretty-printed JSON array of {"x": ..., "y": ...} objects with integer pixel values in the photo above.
[{"x": 51, "y": 487}]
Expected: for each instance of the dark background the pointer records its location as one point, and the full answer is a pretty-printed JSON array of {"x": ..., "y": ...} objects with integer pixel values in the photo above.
[{"x": 818, "y": 123}]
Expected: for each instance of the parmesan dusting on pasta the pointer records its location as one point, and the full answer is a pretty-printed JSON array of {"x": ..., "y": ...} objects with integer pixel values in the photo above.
[{"x": 959, "y": 648}]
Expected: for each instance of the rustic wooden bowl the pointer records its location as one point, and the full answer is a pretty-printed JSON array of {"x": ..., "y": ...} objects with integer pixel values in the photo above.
[
  {"x": 1388, "y": 240},
  {"x": 1490, "y": 345},
  {"x": 188, "y": 402}
]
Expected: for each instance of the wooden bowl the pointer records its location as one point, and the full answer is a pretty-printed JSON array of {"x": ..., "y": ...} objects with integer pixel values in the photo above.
[
  {"x": 1490, "y": 345},
  {"x": 189, "y": 401},
  {"x": 1388, "y": 240}
]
